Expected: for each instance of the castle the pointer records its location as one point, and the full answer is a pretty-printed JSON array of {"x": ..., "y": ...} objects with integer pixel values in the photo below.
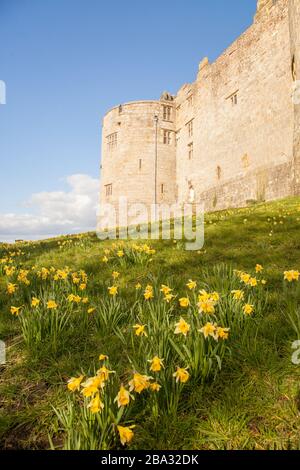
[{"x": 229, "y": 138}]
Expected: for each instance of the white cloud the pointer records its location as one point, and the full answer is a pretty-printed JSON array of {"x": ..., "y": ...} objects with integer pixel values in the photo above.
[{"x": 56, "y": 212}]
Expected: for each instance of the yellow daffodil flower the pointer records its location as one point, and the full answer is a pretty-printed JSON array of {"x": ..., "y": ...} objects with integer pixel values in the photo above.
[
  {"x": 35, "y": 302},
  {"x": 74, "y": 383},
  {"x": 140, "y": 330},
  {"x": 182, "y": 327},
  {"x": 208, "y": 330},
  {"x": 155, "y": 387},
  {"x": 181, "y": 375},
  {"x": 103, "y": 357},
  {"x": 191, "y": 284},
  {"x": 156, "y": 364},
  {"x": 184, "y": 302},
  {"x": 113, "y": 290},
  {"x": 126, "y": 434},
  {"x": 11, "y": 288},
  {"x": 238, "y": 294},
  {"x": 96, "y": 405},
  {"x": 123, "y": 397},
  {"x": 139, "y": 382},
  {"x": 15, "y": 310},
  {"x": 291, "y": 276},
  {"x": 259, "y": 268},
  {"x": 165, "y": 289},
  {"x": 248, "y": 309}
]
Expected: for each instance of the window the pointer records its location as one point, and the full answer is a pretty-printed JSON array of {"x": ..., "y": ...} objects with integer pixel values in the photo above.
[
  {"x": 190, "y": 128},
  {"x": 167, "y": 110},
  {"x": 108, "y": 189},
  {"x": 120, "y": 109},
  {"x": 140, "y": 164},
  {"x": 233, "y": 98},
  {"x": 190, "y": 100},
  {"x": 219, "y": 172},
  {"x": 162, "y": 188},
  {"x": 191, "y": 150},
  {"x": 167, "y": 137},
  {"x": 112, "y": 141}
]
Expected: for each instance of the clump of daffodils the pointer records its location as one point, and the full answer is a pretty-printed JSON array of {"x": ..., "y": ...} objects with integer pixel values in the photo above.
[{"x": 207, "y": 302}]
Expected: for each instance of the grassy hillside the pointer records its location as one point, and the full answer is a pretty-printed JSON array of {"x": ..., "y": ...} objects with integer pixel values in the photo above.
[{"x": 197, "y": 385}]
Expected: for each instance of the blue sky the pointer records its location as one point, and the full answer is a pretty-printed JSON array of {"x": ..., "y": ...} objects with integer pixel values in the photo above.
[{"x": 65, "y": 62}]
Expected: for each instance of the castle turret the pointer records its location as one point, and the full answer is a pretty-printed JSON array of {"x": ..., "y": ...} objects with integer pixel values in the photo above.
[{"x": 138, "y": 153}]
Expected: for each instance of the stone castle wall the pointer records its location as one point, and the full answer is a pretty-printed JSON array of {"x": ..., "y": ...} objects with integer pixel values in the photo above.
[{"x": 234, "y": 135}]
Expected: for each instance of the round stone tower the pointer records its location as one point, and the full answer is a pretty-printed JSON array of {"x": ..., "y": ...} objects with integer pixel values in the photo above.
[{"x": 139, "y": 153}]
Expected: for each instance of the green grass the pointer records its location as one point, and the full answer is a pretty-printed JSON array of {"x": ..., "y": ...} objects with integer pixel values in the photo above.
[{"x": 254, "y": 401}]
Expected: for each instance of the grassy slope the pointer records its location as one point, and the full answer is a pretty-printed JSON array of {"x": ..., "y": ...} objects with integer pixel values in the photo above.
[{"x": 254, "y": 402}]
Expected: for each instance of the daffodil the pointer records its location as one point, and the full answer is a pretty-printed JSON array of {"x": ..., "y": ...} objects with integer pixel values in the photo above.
[
  {"x": 113, "y": 290},
  {"x": 35, "y": 302},
  {"x": 191, "y": 284},
  {"x": 169, "y": 297},
  {"x": 11, "y": 288},
  {"x": 85, "y": 300},
  {"x": 123, "y": 397},
  {"x": 245, "y": 278},
  {"x": 155, "y": 387},
  {"x": 91, "y": 310},
  {"x": 138, "y": 286},
  {"x": 51, "y": 305},
  {"x": 148, "y": 294},
  {"x": 104, "y": 372},
  {"x": 182, "y": 327},
  {"x": 92, "y": 385},
  {"x": 238, "y": 294},
  {"x": 181, "y": 375},
  {"x": 291, "y": 276},
  {"x": 156, "y": 364},
  {"x": 103, "y": 357},
  {"x": 206, "y": 306},
  {"x": 126, "y": 434},
  {"x": 165, "y": 289},
  {"x": 215, "y": 296},
  {"x": 96, "y": 405},
  {"x": 184, "y": 302},
  {"x": 105, "y": 259},
  {"x": 139, "y": 382},
  {"x": 120, "y": 253},
  {"x": 248, "y": 309},
  {"x": 74, "y": 383},
  {"x": 9, "y": 270},
  {"x": 15, "y": 310},
  {"x": 208, "y": 330},
  {"x": 259, "y": 268},
  {"x": 115, "y": 274},
  {"x": 222, "y": 333},
  {"x": 140, "y": 330},
  {"x": 252, "y": 282},
  {"x": 82, "y": 286}
]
